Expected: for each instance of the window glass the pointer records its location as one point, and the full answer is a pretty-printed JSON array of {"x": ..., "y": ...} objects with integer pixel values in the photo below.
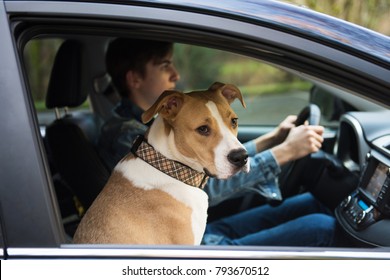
[
  {"x": 39, "y": 58},
  {"x": 270, "y": 93},
  {"x": 39, "y": 55}
]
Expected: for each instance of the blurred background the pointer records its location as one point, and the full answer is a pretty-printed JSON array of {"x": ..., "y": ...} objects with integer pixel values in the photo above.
[{"x": 373, "y": 14}]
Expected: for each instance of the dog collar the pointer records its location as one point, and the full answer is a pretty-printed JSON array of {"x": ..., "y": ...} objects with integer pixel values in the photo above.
[{"x": 142, "y": 149}]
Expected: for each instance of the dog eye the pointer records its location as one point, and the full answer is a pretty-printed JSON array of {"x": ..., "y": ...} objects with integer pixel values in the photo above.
[
  {"x": 203, "y": 130},
  {"x": 234, "y": 122}
]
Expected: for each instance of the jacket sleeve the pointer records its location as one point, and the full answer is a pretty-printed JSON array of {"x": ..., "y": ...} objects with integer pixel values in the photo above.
[{"x": 262, "y": 178}]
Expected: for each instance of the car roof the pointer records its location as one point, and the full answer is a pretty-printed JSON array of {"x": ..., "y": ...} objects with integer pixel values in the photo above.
[{"x": 298, "y": 20}]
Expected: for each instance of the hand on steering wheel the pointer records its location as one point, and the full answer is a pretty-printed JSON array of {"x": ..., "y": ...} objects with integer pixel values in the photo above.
[
  {"x": 310, "y": 113},
  {"x": 292, "y": 171}
]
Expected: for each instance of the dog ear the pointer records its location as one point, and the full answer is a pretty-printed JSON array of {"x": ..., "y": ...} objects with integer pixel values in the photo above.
[
  {"x": 229, "y": 91},
  {"x": 167, "y": 105}
]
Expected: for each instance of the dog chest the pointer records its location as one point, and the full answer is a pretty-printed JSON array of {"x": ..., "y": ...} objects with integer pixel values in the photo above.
[{"x": 180, "y": 206}]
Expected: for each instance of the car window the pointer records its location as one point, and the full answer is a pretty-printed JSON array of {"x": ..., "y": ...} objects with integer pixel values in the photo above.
[
  {"x": 39, "y": 55},
  {"x": 270, "y": 93}
]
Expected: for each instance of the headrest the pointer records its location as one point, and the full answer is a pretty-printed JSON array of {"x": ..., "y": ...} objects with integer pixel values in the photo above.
[{"x": 64, "y": 88}]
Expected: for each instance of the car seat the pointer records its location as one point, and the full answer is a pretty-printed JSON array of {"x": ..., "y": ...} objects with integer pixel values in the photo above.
[{"x": 72, "y": 138}]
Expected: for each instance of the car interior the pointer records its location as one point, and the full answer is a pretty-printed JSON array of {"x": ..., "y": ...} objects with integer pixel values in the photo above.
[{"x": 350, "y": 174}]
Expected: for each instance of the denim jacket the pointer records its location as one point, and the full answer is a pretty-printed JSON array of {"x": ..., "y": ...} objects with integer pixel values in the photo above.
[
  {"x": 262, "y": 178},
  {"x": 119, "y": 132}
]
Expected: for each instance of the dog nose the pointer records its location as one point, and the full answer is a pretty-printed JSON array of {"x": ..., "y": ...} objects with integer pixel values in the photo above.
[{"x": 238, "y": 157}]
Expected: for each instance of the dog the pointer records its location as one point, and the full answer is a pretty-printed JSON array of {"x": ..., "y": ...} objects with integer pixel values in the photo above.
[{"x": 155, "y": 194}]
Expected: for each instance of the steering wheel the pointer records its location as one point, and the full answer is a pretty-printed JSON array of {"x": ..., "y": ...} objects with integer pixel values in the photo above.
[{"x": 289, "y": 178}]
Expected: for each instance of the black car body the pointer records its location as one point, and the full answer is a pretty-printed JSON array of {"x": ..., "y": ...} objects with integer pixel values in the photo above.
[{"x": 346, "y": 60}]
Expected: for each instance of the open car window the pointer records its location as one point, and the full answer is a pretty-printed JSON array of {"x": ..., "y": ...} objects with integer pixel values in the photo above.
[{"x": 270, "y": 92}]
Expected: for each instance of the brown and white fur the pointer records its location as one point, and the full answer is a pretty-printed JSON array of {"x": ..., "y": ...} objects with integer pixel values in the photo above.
[{"x": 140, "y": 204}]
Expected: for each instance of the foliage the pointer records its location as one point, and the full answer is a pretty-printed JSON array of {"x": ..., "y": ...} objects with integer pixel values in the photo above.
[
  {"x": 255, "y": 76},
  {"x": 39, "y": 57},
  {"x": 272, "y": 88},
  {"x": 372, "y": 14},
  {"x": 191, "y": 62}
]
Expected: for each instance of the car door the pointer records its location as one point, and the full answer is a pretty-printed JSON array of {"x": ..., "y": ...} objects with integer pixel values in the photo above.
[
  {"x": 31, "y": 219},
  {"x": 28, "y": 208}
]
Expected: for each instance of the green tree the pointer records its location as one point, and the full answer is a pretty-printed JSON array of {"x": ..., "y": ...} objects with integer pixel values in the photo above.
[
  {"x": 372, "y": 14},
  {"x": 195, "y": 67}
]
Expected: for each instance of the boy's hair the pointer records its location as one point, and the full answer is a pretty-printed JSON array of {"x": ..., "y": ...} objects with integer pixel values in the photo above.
[{"x": 125, "y": 54}]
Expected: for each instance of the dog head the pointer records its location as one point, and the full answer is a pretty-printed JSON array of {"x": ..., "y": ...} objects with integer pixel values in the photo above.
[{"x": 199, "y": 129}]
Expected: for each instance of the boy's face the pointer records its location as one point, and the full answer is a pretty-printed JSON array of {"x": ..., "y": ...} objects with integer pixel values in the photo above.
[{"x": 159, "y": 76}]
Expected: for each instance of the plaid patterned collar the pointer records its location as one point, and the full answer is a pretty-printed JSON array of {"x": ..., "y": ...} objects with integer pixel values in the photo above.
[{"x": 142, "y": 149}]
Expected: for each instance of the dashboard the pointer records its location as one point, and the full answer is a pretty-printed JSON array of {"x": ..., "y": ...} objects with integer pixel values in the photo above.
[{"x": 363, "y": 145}]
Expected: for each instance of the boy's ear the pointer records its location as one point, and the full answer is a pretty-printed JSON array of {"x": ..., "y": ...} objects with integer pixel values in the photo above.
[
  {"x": 132, "y": 79},
  {"x": 167, "y": 105},
  {"x": 229, "y": 91}
]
